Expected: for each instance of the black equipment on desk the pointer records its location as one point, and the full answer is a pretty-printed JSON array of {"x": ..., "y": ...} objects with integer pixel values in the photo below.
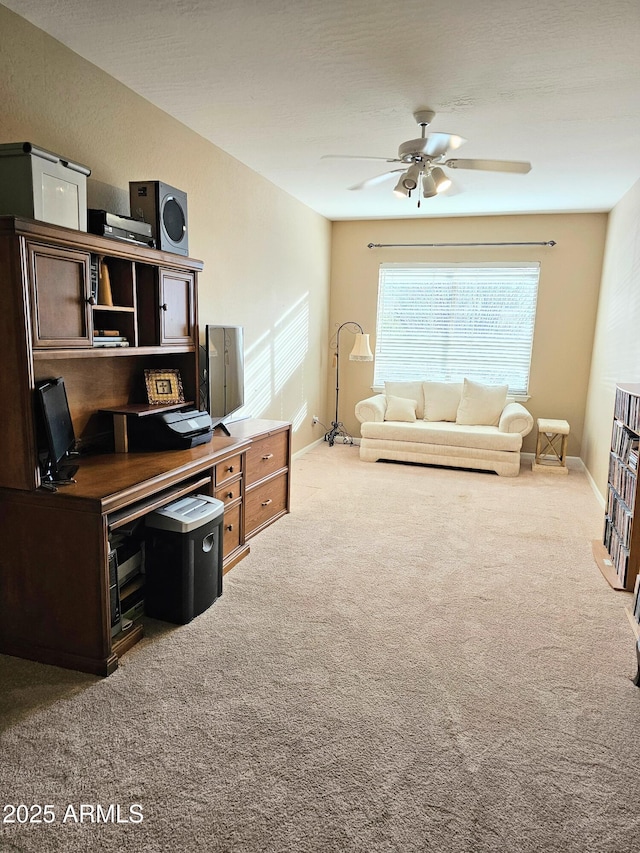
[
  {"x": 56, "y": 436},
  {"x": 170, "y": 430},
  {"x": 120, "y": 227}
]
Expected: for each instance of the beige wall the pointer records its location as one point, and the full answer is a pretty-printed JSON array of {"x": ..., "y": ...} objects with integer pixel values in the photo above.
[
  {"x": 616, "y": 349},
  {"x": 266, "y": 255},
  {"x": 567, "y": 297}
]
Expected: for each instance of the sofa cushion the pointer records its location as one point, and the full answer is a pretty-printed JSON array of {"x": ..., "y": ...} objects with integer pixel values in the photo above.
[
  {"x": 448, "y": 434},
  {"x": 481, "y": 404},
  {"x": 441, "y": 400},
  {"x": 410, "y": 390},
  {"x": 400, "y": 409}
]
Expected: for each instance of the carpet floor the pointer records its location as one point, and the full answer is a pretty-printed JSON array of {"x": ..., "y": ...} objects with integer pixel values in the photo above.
[{"x": 414, "y": 659}]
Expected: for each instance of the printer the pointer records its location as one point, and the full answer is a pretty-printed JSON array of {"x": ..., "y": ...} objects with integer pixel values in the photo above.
[{"x": 170, "y": 430}]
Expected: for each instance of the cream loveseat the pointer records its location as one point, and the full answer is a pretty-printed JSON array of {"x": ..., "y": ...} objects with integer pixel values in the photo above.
[{"x": 458, "y": 424}]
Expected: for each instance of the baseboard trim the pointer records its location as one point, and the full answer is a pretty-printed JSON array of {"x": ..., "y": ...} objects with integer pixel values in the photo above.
[
  {"x": 595, "y": 489},
  {"x": 306, "y": 449}
]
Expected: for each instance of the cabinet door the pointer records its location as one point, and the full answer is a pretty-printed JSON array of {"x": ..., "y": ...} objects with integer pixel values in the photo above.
[
  {"x": 59, "y": 285},
  {"x": 177, "y": 308}
]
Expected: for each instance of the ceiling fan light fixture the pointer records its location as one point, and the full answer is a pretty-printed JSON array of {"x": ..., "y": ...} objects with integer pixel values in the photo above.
[
  {"x": 411, "y": 177},
  {"x": 429, "y": 188},
  {"x": 442, "y": 181},
  {"x": 400, "y": 190}
]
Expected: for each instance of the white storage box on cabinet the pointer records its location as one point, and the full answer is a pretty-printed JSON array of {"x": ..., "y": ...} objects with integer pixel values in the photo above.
[{"x": 42, "y": 185}]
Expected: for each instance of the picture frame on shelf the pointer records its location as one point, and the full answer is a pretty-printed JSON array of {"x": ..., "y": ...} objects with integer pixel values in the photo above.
[{"x": 164, "y": 387}]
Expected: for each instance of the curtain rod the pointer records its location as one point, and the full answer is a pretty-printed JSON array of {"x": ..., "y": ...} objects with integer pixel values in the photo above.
[{"x": 549, "y": 243}]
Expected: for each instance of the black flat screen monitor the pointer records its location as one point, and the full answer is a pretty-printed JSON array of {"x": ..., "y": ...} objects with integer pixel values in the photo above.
[{"x": 57, "y": 427}]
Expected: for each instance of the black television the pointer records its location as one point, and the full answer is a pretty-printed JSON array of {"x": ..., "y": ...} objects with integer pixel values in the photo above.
[
  {"x": 56, "y": 434},
  {"x": 223, "y": 372}
]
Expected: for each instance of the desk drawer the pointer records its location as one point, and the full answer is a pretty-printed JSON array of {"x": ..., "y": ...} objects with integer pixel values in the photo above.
[
  {"x": 229, "y": 492},
  {"x": 265, "y": 503},
  {"x": 228, "y": 469},
  {"x": 266, "y": 456},
  {"x": 231, "y": 530}
]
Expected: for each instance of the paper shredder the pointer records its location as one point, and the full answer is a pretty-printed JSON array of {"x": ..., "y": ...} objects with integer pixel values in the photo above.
[{"x": 183, "y": 558}]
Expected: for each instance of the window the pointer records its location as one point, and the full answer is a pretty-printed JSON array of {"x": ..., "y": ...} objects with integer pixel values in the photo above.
[{"x": 444, "y": 322}]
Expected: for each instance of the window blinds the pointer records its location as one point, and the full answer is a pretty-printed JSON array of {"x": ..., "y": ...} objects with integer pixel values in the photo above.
[{"x": 444, "y": 322}]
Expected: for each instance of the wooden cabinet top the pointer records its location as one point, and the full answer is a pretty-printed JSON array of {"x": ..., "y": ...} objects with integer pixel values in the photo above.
[
  {"x": 71, "y": 238},
  {"x": 254, "y": 427}
]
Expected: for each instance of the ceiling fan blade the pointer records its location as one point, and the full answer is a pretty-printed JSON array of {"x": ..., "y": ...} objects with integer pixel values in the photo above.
[
  {"x": 519, "y": 166},
  {"x": 440, "y": 143},
  {"x": 356, "y": 157},
  {"x": 377, "y": 179}
]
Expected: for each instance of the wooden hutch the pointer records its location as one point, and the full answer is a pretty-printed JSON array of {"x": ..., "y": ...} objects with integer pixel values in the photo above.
[{"x": 54, "y": 584}]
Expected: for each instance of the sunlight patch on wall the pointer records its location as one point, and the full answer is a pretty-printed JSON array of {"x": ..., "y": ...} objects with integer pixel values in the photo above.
[
  {"x": 300, "y": 416},
  {"x": 291, "y": 342},
  {"x": 273, "y": 361}
]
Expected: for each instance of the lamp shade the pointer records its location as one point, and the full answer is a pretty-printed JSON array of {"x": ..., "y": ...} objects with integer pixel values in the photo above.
[
  {"x": 361, "y": 350},
  {"x": 443, "y": 182},
  {"x": 411, "y": 177},
  {"x": 429, "y": 186},
  {"x": 400, "y": 190}
]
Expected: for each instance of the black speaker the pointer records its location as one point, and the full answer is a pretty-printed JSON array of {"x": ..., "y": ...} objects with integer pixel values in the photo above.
[{"x": 165, "y": 208}]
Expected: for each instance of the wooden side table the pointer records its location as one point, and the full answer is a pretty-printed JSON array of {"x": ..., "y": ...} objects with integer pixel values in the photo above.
[{"x": 551, "y": 446}]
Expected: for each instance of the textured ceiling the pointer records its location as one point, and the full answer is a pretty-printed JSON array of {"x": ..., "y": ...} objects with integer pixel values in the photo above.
[{"x": 279, "y": 83}]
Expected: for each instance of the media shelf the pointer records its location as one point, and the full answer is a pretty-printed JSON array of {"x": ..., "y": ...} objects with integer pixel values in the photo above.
[
  {"x": 125, "y": 309},
  {"x": 618, "y": 555}
]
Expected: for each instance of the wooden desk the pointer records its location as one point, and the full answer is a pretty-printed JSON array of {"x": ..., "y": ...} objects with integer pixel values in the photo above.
[
  {"x": 54, "y": 584},
  {"x": 54, "y": 578}
]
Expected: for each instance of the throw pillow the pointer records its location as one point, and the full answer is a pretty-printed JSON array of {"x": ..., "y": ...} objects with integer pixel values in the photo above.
[
  {"x": 441, "y": 400},
  {"x": 481, "y": 404},
  {"x": 400, "y": 409},
  {"x": 409, "y": 390}
]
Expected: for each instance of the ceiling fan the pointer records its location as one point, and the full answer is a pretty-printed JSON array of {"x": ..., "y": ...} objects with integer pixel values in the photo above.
[{"x": 422, "y": 160}]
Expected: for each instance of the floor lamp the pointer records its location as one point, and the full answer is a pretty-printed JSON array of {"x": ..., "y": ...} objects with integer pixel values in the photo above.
[{"x": 361, "y": 352}]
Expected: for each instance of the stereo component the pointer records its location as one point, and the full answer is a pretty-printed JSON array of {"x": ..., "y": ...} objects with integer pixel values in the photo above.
[
  {"x": 120, "y": 227},
  {"x": 165, "y": 208}
]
